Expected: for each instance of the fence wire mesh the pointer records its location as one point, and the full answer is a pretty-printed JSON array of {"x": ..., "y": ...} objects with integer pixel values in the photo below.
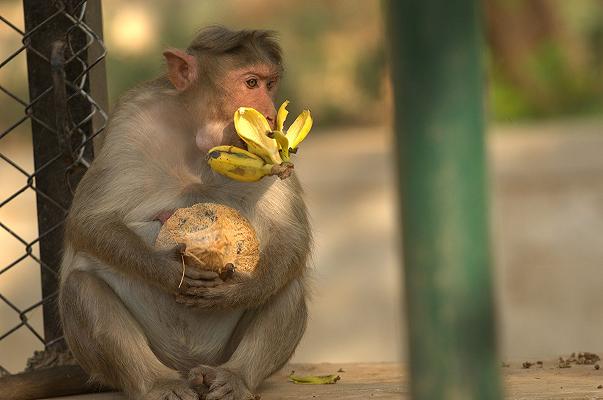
[{"x": 54, "y": 100}]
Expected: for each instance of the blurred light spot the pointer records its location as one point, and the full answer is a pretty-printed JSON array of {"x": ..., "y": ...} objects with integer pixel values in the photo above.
[{"x": 132, "y": 30}]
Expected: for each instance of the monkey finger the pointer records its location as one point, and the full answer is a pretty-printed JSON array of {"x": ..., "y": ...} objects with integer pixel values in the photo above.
[
  {"x": 185, "y": 301},
  {"x": 202, "y": 293},
  {"x": 191, "y": 301},
  {"x": 194, "y": 291},
  {"x": 179, "y": 248},
  {"x": 196, "y": 273},
  {"x": 174, "y": 252},
  {"x": 198, "y": 283},
  {"x": 228, "y": 272}
]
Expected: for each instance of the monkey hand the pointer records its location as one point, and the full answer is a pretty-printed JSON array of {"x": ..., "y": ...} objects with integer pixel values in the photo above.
[
  {"x": 221, "y": 295},
  {"x": 176, "y": 278}
]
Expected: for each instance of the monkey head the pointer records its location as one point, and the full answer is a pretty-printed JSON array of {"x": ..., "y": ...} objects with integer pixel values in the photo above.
[{"x": 221, "y": 71}]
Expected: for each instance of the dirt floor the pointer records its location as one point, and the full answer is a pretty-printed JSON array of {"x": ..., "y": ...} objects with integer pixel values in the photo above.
[{"x": 547, "y": 208}]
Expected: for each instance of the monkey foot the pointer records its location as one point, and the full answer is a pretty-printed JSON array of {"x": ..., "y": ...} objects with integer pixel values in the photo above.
[
  {"x": 221, "y": 383},
  {"x": 172, "y": 390}
]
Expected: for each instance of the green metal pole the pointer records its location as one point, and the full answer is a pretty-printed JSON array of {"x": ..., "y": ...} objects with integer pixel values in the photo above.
[{"x": 436, "y": 58}]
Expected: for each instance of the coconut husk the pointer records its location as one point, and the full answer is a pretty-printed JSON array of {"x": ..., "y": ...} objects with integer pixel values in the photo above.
[{"x": 216, "y": 238}]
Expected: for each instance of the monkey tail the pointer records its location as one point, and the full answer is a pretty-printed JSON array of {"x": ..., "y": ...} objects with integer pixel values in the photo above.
[{"x": 65, "y": 380}]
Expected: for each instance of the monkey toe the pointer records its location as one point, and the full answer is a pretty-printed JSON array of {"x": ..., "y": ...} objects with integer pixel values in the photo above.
[
  {"x": 226, "y": 391},
  {"x": 228, "y": 386},
  {"x": 221, "y": 394},
  {"x": 221, "y": 383},
  {"x": 173, "y": 390},
  {"x": 183, "y": 394},
  {"x": 202, "y": 282},
  {"x": 202, "y": 375}
]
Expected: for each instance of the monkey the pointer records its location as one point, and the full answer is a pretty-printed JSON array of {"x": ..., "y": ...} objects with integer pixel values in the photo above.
[{"x": 124, "y": 317}]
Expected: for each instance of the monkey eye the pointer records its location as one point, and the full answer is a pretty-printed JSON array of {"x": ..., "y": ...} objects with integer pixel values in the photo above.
[{"x": 251, "y": 83}]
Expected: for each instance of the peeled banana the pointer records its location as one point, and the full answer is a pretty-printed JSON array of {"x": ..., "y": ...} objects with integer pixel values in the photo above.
[
  {"x": 253, "y": 128},
  {"x": 268, "y": 149},
  {"x": 299, "y": 129},
  {"x": 288, "y": 142},
  {"x": 244, "y": 166}
]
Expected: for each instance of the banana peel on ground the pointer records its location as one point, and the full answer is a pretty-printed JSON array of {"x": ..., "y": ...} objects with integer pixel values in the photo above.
[{"x": 313, "y": 379}]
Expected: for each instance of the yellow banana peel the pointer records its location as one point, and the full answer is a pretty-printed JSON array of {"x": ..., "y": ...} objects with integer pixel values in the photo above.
[
  {"x": 250, "y": 124},
  {"x": 314, "y": 379},
  {"x": 299, "y": 128},
  {"x": 281, "y": 116},
  {"x": 268, "y": 150},
  {"x": 253, "y": 128}
]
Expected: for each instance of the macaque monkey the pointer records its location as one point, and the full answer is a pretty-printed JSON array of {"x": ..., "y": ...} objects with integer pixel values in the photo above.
[{"x": 125, "y": 319}]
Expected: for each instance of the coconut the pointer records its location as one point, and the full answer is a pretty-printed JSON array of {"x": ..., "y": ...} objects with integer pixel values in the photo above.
[{"x": 216, "y": 237}]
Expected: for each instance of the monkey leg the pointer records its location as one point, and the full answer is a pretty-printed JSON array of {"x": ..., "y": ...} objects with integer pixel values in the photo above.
[
  {"x": 110, "y": 345},
  {"x": 262, "y": 343}
]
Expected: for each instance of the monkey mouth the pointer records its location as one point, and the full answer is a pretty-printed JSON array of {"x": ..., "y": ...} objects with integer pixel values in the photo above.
[
  {"x": 232, "y": 138},
  {"x": 240, "y": 143}
]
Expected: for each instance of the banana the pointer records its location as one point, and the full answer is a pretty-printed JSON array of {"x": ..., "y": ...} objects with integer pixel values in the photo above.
[
  {"x": 283, "y": 144},
  {"x": 281, "y": 116},
  {"x": 299, "y": 129},
  {"x": 243, "y": 166},
  {"x": 238, "y": 164},
  {"x": 252, "y": 127},
  {"x": 268, "y": 149}
]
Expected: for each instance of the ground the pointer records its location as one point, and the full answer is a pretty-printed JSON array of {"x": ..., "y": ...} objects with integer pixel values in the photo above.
[{"x": 390, "y": 381}]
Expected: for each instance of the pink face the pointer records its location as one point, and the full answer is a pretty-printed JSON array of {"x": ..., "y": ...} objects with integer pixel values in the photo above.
[
  {"x": 251, "y": 86},
  {"x": 254, "y": 86}
]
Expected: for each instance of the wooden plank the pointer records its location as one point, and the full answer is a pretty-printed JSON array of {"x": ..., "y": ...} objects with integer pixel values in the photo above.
[{"x": 390, "y": 381}]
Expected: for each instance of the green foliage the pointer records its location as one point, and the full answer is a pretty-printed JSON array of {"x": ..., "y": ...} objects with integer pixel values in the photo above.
[
  {"x": 549, "y": 87},
  {"x": 556, "y": 71},
  {"x": 369, "y": 73},
  {"x": 508, "y": 102}
]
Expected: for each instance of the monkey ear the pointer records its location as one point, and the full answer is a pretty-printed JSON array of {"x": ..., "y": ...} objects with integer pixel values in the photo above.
[{"x": 182, "y": 68}]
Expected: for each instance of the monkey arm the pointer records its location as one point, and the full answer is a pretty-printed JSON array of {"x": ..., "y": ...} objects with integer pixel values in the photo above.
[{"x": 111, "y": 241}]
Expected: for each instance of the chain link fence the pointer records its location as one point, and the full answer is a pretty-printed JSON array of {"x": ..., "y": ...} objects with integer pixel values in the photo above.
[{"x": 62, "y": 104}]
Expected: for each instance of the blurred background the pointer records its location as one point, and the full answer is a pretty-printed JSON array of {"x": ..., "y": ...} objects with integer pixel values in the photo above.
[{"x": 544, "y": 97}]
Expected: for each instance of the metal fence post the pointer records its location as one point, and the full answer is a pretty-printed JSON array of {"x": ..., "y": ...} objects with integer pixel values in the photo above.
[
  {"x": 436, "y": 55},
  {"x": 58, "y": 41}
]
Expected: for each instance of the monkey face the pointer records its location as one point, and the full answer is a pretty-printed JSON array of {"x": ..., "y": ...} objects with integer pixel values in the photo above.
[{"x": 252, "y": 86}]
